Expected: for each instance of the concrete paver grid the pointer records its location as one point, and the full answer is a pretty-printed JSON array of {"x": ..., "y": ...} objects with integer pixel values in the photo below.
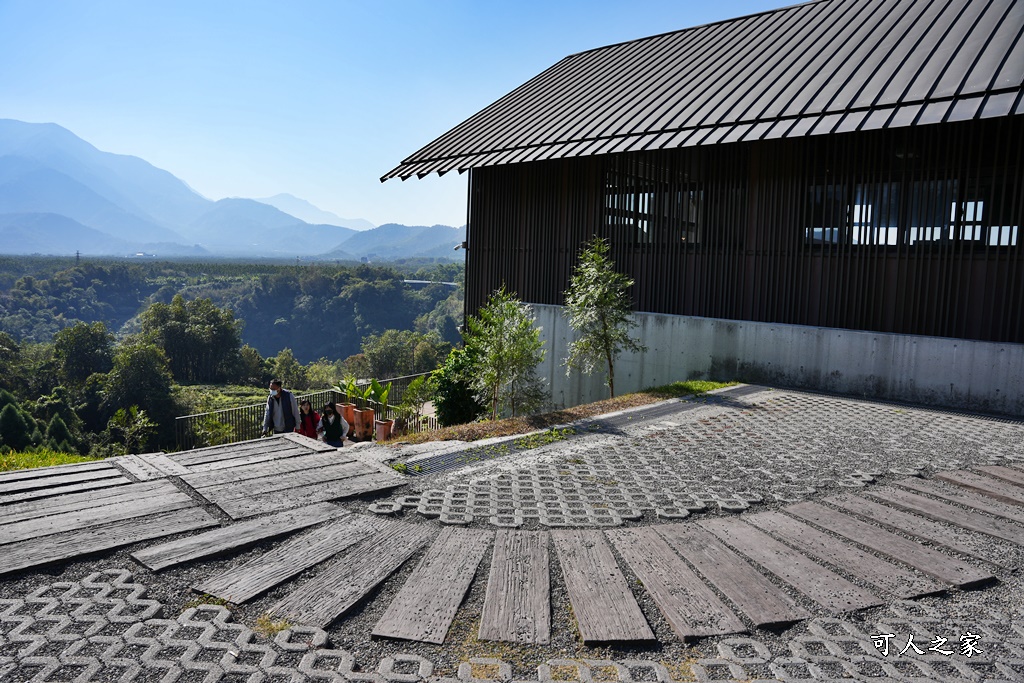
[{"x": 771, "y": 446}]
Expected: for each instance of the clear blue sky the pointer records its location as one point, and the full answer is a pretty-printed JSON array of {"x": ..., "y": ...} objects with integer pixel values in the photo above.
[{"x": 316, "y": 98}]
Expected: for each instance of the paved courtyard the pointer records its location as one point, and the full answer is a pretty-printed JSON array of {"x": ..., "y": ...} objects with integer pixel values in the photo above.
[{"x": 755, "y": 534}]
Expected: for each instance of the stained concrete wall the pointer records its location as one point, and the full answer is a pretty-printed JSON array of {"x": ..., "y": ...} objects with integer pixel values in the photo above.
[{"x": 955, "y": 373}]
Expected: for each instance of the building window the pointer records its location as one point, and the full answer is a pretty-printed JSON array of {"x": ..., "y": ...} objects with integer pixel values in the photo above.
[{"x": 646, "y": 208}]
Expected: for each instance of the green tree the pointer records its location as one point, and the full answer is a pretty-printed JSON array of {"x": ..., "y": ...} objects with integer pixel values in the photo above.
[
  {"x": 201, "y": 341},
  {"x": 58, "y": 436},
  {"x": 395, "y": 353},
  {"x": 15, "y": 431},
  {"x": 133, "y": 427},
  {"x": 455, "y": 400},
  {"x": 599, "y": 309},
  {"x": 506, "y": 349},
  {"x": 286, "y": 368},
  {"x": 140, "y": 377},
  {"x": 81, "y": 350}
]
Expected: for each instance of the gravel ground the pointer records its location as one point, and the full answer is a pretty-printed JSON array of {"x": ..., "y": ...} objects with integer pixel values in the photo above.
[{"x": 763, "y": 450}]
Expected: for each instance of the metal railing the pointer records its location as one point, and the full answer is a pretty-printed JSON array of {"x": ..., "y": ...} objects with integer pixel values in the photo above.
[{"x": 246, "y": 422}]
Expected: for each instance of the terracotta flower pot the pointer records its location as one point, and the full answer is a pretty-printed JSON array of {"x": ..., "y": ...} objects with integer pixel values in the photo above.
[
  {"x": 383, "y": 428},
  {"x": 348, "y": 411},
  {"x": 364, "y": 425}
]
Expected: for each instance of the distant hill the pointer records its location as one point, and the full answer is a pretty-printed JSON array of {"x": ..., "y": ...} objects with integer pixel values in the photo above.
[
  {"x": 303, "y": 210},
  {"x": 59, "y": 195}
]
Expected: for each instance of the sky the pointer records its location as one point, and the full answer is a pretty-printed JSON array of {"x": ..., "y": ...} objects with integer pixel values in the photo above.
[{"x": 315, "y": 98}]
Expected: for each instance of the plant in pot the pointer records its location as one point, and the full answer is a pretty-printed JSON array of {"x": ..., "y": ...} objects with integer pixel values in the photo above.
[
  {"x": 349, "y": 388},
  {"x": 379, "y": 393},
  {"x": 362, "y": 420}
]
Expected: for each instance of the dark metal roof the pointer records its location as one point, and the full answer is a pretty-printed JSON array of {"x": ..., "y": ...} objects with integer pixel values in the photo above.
[{"x": 822, "y": 67}]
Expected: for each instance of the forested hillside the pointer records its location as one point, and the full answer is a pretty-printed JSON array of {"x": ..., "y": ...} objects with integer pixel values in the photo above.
[{"x": 318, "y": 311}]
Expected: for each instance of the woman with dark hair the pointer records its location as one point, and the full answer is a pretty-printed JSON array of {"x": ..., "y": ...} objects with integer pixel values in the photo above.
[
  {"x": 332, "y": 426},
  {"x": 308, "y": 419}
]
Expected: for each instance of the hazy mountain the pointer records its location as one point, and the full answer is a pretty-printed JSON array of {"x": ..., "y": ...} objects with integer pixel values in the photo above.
[
  {"x": 49, "y": 233},
  {"x": 306, "y": 211},
  {"x": 393, "y": 241}
]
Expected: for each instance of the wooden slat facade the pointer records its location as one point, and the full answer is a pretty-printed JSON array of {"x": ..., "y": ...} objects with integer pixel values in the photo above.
[{"x": 916, "y": 230}]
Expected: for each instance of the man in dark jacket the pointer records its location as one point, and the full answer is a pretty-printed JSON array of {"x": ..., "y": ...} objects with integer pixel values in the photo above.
[{"x": 282, "y": 410}]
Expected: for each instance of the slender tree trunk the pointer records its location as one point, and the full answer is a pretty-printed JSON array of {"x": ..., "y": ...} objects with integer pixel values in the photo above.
[{"x": 611, "y": 373}]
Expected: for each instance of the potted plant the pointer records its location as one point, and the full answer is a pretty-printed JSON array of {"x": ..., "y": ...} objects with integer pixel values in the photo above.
[
  {"x": 351, "y": 391},
  {"x": 364, "y": 417},
  {"x": 379, "y": 394}
]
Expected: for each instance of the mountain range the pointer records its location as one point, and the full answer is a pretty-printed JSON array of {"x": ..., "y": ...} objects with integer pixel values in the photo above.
[{"x": 60, "y": 195}]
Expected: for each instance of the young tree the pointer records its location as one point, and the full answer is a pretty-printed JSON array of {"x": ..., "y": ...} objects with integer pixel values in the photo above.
[
  {"x": 14, "y": 429},
  {"x": 506, "y": 348},
  {"x": 81, "y": 350},
  {"x": 599, "y": 311},
  {"x": 455, "y": 400}
]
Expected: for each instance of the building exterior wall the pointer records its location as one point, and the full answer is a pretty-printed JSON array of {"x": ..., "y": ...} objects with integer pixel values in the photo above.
[
  {"x": 915, "y": 230},
  {"x": 938, "y": 371}
]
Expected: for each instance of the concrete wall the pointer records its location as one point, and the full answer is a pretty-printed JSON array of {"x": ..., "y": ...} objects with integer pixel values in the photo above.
[{"x": 955, "y": 373}]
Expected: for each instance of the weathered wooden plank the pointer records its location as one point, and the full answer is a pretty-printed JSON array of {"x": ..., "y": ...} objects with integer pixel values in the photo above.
[
  {"x": 889, "y": 577},
  {"x": 345, "y": 580},
  {"x": 205, "y": 479},
  {"x": 1005, "y": 473},
  {"x": 989, "y": 486},
  {"x": 21, "y": 485},
  {"x": 84, "y": 500},
  {"x": 41, "y": 494},
  {"x": 239, "y": 508},
  {"x": 517, "y": 606},
  {"x": 149, "y": 466},
  {"x": 151, "y": 503},
  {"x": 602, "y": 603},
  {"x": 932, "y": 562},
  {"x": 249, "y": 460},
  {"x": 955, "y": 494},
  {"x": 944, "y": 512},
  {"x": 312, "y": 472},
  {"x": 691, "y": 608},
  {"x": 312, "y": 444},
  {"x": 235, "y": 536},
  {"x": 425, "y": 607},
  {"x": 289, "y": 559},
  {"x": 212, "y": 453},
  {"x": 759, "y": 599},
  {"x": 822, "y": 585},
  {"x": 70, "y": 544},
  {"x": 53, "y": 470},
  {"x": 932, "y": 531}
]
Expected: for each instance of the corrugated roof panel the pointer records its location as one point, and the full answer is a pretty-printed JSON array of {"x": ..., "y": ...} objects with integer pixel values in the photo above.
[
  {"x": 812, "y": 68},
  {"x": 998, "y": 105},
  {"x": 1020, "y": 105},
  {"x": 965, "y": 110}
]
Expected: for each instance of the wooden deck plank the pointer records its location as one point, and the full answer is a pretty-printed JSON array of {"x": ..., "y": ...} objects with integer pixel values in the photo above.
[
  {"x": 149, "y": 466},
  {"x": 602, "y": 603},
  {"x": 235, "y": 536},
  {"x": 932, "y": 531},
  {"x": 822, "y": 585},
  {"x": 60, "y": 491},
  {"x": 53, "y": 470},
  {"x": 346, "y": 579},
  {"x": 891, "y": 578},
  {"x": 944, "y": 512},
  {"x": 962, "y": 496},
  {"x": 150, "y": 503},
  {"x": 213, "y": 453},
  {"x": 200, "y": 480},
  {"x": 517, "y": 605},
  {"x": 289, "y": 559},
  {"x": 1008, "y": 474},
  {"x": 278, "y": 481},
  {"x": 249, "y": 460},
  {"x": 71, "y": 544},
  {"x": 760, "y": 600},
  {"x": 928, "y": 560},
  {"x": 22, "y": 485},
  {"x": 312, "y": 444},
  {"x": 425, "y": 607},
  {"x": 691, "y": 609},
  {"x": 240, "y": 508},
  {"x": 84, "y": 500},
  {"x": 989, "y": 486}
]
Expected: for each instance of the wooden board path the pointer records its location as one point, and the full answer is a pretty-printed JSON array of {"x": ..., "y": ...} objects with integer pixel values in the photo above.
[
  {"x": 151, "y": 501},
  {"x": 311, "y": 473},
  {"x": 990, "y": 486},
  {"x": 71, "y": 544},
  {"x": 934, "y": 532},
  {"x": 235, "y": 536},
  {"x": 52, "y": 505},
  {"x": 893, "y": 579},
  {"x": 214, "y": 479},
  {"x": 425, "y": 607},
  {"x": 53, "y": 470},
  {"x": 955, "y": 494},
  {"x": 927, "y": 560},
  {"x": 289, "y": 559},
  {"x": 282, "y": 455},
  {"x": 149, "y": 466},
  {"x": 41, "y": 494},
  {"x": 760, "y": 600},
  {"x": 344, "y": 580},
  {"x": 822, "y": 585},
  {"x": 944, "y": 512},
  {"x": 691, "y": 608},
  {"x": 1005, "y": 473},
  {"x": 240, "y": 508},
  {"x": 22, "y": 485},
  {"x": 602, "y": 603},
  {"x": 517, "y": 606}
]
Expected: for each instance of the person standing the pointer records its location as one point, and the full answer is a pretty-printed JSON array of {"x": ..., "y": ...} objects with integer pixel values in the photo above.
[
  {"x": 281, "y": 415},
  {"x": 308, "y": 419},
  {"x": 333, "y": 426}
]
